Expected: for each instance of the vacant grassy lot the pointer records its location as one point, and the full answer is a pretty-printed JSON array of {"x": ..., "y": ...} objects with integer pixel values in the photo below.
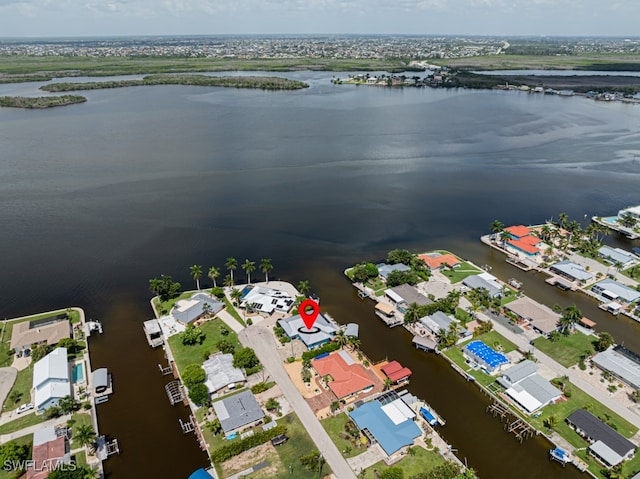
[
  {"x": 80, "y": 419},
  {"x": 568, "y": 349},
  {"x": 185, "y": 355},
  {"x": 421, "y": 461},
  {"x": 24, "y": 381}
]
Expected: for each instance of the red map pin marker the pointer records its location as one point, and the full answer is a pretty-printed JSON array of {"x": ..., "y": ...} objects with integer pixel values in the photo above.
[{"x": 309, "y": 317}]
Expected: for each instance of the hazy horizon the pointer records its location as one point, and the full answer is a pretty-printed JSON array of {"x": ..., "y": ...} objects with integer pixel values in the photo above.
[{"x": 64, "y": 18}]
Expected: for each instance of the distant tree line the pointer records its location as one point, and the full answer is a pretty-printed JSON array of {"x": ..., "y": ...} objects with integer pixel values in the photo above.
[{"x": 40, "y": 101}]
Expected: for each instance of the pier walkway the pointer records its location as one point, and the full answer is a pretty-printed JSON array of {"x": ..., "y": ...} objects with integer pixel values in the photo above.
[{"x": 522, "y": 341}]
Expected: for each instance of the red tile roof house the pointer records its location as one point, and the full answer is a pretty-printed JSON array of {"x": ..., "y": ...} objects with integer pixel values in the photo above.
[
  {"x": 349, "y": 378},
  {"x": 51, "y": 455},
  {"x": 396, "y": 372},
  {"x": 436, "y": 261},
  {"x": 523, "y": 241}
]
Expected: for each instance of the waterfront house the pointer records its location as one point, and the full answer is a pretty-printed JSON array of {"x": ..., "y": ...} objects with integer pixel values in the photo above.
[
  {"x": 618, "y": 257},
  {"x": 387, "y": 421},
  {"x": 404, "y": 295},
  {"x": 50, "y": 451},
  {"x": 384, "y": 269},
  {"x": 436, "y": 261},
  {"x": 485, "y": 357},
  {"x": 238, "y": 411},
  {"x": 527, "y": 389},
  {"x": 188, "y": 311},
  {"x": 321, "y": 333},
  {"x": 396, "y": 372},
  {"x": 486, "y": 281},
  {"x": 540, "y": 317},
  {"x": 266, "y": 300},
  {"x": 347, "y": 378},
  {"x": 622, "y": 363},
  {"x": 221, "y": 374},
  {"x": 51, "y": 379},
  {"x": 606, "y": 444},
  {"x": 523, "y": 241},
  {"x": 610, "y": 290},
  {"x": 571, "y": 271},
  {"x": 27, "y": 334},
  {"x": 632, "y": 211}
]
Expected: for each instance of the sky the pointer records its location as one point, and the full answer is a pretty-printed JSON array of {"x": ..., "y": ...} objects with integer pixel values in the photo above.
[{"x": 37, "y": 18}]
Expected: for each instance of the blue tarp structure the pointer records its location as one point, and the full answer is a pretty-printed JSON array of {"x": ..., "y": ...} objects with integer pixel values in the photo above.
[
  {"x": 485, "y": 355},
  {"x": 200, "y": 474},
  {"x": 390, "y": 436},
  {"x": 430, "y": 418}
]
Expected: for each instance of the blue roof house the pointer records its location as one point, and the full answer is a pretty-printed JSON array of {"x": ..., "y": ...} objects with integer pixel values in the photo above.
[{"x": 391, "y": 429}]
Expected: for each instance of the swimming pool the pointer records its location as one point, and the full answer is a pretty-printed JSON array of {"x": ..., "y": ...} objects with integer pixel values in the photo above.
[
  {"x": 78, "y": 373},
  {"x": 610, "y": 219}
]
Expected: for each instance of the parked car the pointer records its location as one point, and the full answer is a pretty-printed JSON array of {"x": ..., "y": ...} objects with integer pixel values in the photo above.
[{"x": 24, "y": 407}]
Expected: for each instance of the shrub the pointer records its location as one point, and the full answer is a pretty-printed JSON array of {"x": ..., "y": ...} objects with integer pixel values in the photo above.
[
  {"x": 327, "y": 348},
  {"x": 192, "y": 375},
  {"x": 218, "y": 292},
  {"x": 261, "y": 387}
]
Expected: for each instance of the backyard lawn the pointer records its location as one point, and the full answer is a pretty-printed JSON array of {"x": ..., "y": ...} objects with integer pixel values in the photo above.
[
  {"x": 80, "y": 419},
  {"x": 567, "y": 349},
  {"x": 164, "y": 307},
  {"x": 459, "y": 273},
  {"x": 25, "y": 420},
  {"x": 421, "y": 461},
  {"x": 185, "y": 355},
  {"x": 335, "y": 426}
]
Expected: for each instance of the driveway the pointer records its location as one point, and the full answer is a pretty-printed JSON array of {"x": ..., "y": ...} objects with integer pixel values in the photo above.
[
  {"x": 263, "y": 343},
  {"x": 7, "y": 378}
]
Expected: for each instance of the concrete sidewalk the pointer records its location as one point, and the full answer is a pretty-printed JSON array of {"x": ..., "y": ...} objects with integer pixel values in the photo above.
[{"x": 262, "y": 341}]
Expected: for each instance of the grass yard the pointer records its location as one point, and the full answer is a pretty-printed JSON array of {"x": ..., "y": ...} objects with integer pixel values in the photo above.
[
  {"x": 185, "y": 355},
  {"x": 24, "y": 381},
  {"x": 578, "y": 400},
  {"x": 568, "y": 349},
  {"x": 335, "y": 427},
  {"x": 232, "y": 311},
  {"x": 420, "y": 462},
  {"x": 164, "y": 307},
  {"x": 629, "y": 467},
  {"x": 465, "y": 269},
  {"x": 25, "y": 420},
  {"x": 81, "y": 419},
  {"x": 377, "y": 285},
  {"x": 28, "y": 440},
  {"x": 497, "y": 342}
]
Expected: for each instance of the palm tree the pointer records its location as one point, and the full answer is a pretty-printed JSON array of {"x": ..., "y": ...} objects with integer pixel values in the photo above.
[
  {"x": 354, "y": 342},
  {"x": 236, "y": 294},
  {"x": 304, "y": 287},
  {"x": 563, "y": 219},
  {"x": 570, "y": 317},
  {"x": 496, "y": 227},
  {"x": 545, "y": 231},
  {"x": 249, "y": 267},
  {"x": 387, "y": 384},
  {"x": 196, "y": 274},
  {"x": 231, "y": 264},
  {"x": 228, "y": 280},
  {"x": 340, "y": 337},
  {"x": 504, "y": 237},
  {"x": 412, "y": 314},
  {"x": 213, "y": 274},
  {"x": 85, "y": 435},
  {"x": 551, "y": 421},
  {"x": 265, "y": 267}
]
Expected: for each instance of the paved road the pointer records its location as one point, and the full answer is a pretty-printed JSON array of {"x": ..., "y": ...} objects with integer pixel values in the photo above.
[
  {"x": 522, "y": 342},
  {"x": 262, "y": 341}
]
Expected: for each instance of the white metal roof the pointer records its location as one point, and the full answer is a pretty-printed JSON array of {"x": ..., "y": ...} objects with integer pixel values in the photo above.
[
  {"x": 398, "y": 411},
  {"x": 603, "y": 451},
  {"x": 53, "y": 366}
]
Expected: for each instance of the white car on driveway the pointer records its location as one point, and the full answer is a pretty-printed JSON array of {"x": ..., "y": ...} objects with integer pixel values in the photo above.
[{"x": 24, "y": 407}]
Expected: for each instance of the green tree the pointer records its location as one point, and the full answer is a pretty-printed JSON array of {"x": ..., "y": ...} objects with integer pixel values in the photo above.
[
  {"x": 272, "y": 405},
  {"x": 196, "y": 273},
  {"x": 213, "y": 275},
  {"x": 68, "y": 405},
  {"x": 165, "y": 287},
  {"x": 353, "y": 342},
  {"x": 340, "y": 337},
  {"x": 231, "y": 264},
  {"x": 248, "y": 267},
  {"x": 80, "y": 472},
  {"x": 236, "y": 295},
  {"x": 364, "y": 271},
  {"x": 225, "y": 347},
  {"x": 387, "y": 384},
  {"x": 604, "y": 341},
  {"x": 304, "y": 287},
  {"x": 265, "y": 267},
  {"x": 396, "y": 278},
  {"x": 306, "y": 375},
  {"x": 496, "y": 227},
  {"x": 214, "y": 426},
  {"x": 193, "y": 374},
  {"x": 14, "y": 453},
  {"x": 192, "y": 335},
  {"x": 245, "y": 358},
  {"x": 39, "y": 351},
  {"x": 412, "y": 315},
  {"x": 85, "y": 435},
  {"x": 399, "y": 256},
  {"x": 228, "y": 280},
  {"x": 504, "y": 237},
  {"x": 569, "y": 318},
  {"x": 199, "y": 394},
  {"x": 550, "y": 421},
  {"x": 14, "y": 397}
]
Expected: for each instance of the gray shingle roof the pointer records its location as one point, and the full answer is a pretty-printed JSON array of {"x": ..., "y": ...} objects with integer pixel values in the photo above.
[
  {"x": 599, "y": 431},
  {"x": 237, "y": 411},
  {"x": 520, "y": 371}
]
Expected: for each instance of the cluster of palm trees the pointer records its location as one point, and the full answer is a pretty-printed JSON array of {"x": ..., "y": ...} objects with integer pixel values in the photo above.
[
  {"x": 342, "y": 339},
  {"x": 231, "y": 264}
]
